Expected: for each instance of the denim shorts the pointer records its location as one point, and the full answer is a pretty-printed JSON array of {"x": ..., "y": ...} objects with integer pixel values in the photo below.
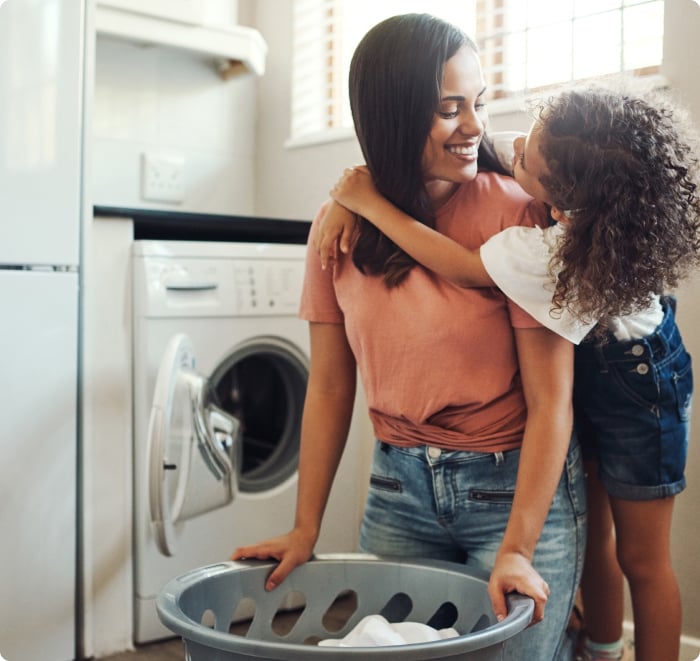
[
  {"x": 424, "y": 502},
  {"x": 632, "y": 405}
]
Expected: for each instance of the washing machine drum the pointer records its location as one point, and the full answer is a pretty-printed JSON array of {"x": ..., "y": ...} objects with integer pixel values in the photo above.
[
  {"x": 262, "y": 384},
  {"x": 209, "y": 437}
]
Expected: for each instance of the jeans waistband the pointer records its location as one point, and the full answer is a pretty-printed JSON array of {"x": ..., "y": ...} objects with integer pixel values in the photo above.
[{"x": 657, "y": 345}]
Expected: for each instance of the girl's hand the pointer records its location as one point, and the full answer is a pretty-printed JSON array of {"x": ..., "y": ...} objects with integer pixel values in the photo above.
[
  {"x": 290, "y": 550},
  {"x": 513, "y": 572},
  {"x": 354, "y": 193},
  {"x": 355, "y": 190},
  {"x": 337, "y": 223}
]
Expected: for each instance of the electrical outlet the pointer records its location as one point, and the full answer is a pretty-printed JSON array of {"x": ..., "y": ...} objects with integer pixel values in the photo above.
[{"x": 162, "y": 178}]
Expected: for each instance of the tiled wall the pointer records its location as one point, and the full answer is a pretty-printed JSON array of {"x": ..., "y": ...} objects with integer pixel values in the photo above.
[{"x": 169, "y": 102}]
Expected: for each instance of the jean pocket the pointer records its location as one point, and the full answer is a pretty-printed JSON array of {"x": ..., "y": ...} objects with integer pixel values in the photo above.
[
  {"x": 491, "y": 495},
  {"x": 634, "y": 382},
  {"x": 385, "y": 483}
]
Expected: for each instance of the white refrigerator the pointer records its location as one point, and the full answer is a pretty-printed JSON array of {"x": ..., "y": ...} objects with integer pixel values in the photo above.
[{"x": 42, "y": 45}]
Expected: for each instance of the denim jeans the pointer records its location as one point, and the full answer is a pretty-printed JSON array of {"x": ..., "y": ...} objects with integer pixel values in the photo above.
[
  {"x": 632, "y": 404},
  {"x": 427, "y": 502}
]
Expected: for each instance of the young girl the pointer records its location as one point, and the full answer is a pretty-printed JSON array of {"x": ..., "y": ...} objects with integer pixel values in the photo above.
[{"x": 620, "y": 176}]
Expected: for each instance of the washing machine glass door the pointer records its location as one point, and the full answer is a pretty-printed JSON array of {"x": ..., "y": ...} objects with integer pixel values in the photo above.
[
  {"x": 193, "y": 447},
  {"x": 262, "y": 382}
]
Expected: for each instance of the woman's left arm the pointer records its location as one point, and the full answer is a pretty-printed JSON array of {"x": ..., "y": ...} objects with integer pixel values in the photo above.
[{"x": 546, "y": 367}]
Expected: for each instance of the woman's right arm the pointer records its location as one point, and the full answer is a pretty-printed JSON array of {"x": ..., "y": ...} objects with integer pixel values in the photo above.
[
  {"x": 356, "y": 192},
  {"x": 546, "y": 364},
  {"x": 330, "y": 395}
]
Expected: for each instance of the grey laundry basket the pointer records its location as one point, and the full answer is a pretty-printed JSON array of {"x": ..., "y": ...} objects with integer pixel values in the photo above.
[{"x": 438, "y": 593}]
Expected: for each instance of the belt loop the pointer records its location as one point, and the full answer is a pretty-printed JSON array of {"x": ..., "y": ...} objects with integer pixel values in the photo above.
[
  {"x": 658, "y": 345},
  {"x": 499, "y": 458},
  {"x": 669, "y": 300},
  {"x": 659, "y": 342}
]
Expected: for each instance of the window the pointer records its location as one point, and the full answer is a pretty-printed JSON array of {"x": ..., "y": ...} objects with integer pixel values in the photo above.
[{"x": 525, "y": 47}]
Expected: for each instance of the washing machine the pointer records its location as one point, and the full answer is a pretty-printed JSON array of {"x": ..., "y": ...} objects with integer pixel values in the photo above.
[{"x": 220, "y": 365}]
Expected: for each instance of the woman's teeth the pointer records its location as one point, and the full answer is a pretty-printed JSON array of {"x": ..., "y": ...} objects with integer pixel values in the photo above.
[{"x": 461, "y": 150}]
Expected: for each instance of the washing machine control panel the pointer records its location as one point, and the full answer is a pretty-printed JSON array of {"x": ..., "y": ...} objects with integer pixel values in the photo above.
[
  {"x": 267, "y": 288},
  {"x": 223, "y": 287}
]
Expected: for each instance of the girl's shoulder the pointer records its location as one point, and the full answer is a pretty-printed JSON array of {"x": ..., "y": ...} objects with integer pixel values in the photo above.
[
  {"x": 536, "y": 243},
  {"x": 518, "y": 259}
]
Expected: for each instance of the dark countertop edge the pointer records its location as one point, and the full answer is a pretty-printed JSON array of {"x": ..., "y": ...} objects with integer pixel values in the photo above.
[{"x": 185, "y": 226}]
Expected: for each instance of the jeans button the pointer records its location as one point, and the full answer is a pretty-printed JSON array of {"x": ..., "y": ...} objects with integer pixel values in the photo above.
[
  {"x": 637, "y": 350},
  {"x": 642, "y": 369},
  {"x": 434, "y": 453}
]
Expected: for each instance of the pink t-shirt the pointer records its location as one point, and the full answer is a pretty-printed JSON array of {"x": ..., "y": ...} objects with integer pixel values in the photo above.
[{"x": 438, "y": 362}]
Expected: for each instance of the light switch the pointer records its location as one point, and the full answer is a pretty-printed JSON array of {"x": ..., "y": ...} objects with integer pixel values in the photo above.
[{"x": 163, "y": 177}]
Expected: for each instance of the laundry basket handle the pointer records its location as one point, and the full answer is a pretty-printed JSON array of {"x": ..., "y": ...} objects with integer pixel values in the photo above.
[{"x": 518, "y": 604}]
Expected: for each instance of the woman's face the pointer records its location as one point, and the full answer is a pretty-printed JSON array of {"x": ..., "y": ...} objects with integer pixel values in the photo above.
[{"x": 450, "y": 153}]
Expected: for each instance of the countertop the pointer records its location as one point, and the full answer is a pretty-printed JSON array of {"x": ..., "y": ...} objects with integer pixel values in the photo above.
[{"x": 184, "y": 226}]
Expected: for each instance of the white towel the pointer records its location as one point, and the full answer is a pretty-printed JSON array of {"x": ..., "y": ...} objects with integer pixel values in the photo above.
[{"x": 376, "y": 631}]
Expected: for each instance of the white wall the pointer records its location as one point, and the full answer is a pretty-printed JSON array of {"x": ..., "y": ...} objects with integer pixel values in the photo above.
[
  {"x": 290, "y": 183},
  {"x": 293, "y": 182},
  {"x": 167, "y": 102},
  {"x": 681, "y": 54}
]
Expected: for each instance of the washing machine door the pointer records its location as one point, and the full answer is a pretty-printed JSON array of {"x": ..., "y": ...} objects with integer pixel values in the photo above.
[{"x": 193, "y": 447}]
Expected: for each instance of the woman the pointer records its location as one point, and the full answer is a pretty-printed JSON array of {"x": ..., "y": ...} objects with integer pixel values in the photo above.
[{"x": 470, "y": 398}]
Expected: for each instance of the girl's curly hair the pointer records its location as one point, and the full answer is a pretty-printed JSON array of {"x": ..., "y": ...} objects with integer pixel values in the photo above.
[{"x": 626, "y": 170}]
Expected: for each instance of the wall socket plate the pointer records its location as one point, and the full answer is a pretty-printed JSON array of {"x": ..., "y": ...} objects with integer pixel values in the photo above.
[{"x": 162, "y": 177}]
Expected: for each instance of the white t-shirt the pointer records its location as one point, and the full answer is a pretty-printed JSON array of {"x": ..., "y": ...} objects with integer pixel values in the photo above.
[{"x": 517, "y": 259}]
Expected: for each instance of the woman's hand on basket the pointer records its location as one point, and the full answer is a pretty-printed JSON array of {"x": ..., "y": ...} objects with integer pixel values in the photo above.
[
  {"x": 513, "y": 572},
  {"x": 290, "y": 550}
]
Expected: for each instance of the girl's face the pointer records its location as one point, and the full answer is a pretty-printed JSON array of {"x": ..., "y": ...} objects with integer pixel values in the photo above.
[
  {"x": 450, "y": 152},
  {"x": 529, "y": 166}
]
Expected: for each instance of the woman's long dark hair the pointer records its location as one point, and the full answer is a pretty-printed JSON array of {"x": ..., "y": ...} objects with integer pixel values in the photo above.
[{"x": 395, "y": 78}]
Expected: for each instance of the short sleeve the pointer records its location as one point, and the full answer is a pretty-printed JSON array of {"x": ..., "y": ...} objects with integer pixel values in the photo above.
[
  {"x": 517, "y": 259},
  {"x": 318, "y": 299}
]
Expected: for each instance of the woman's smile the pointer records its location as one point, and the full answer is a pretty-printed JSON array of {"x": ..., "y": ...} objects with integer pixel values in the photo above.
[{"x": 467, "y": 152}]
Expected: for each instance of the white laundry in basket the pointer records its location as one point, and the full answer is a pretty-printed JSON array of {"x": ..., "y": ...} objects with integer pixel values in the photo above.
[{"x": 377, "y": 631}]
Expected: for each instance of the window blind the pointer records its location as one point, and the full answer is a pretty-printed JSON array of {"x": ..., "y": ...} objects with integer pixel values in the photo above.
[{"x": 525, "y": 46}]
